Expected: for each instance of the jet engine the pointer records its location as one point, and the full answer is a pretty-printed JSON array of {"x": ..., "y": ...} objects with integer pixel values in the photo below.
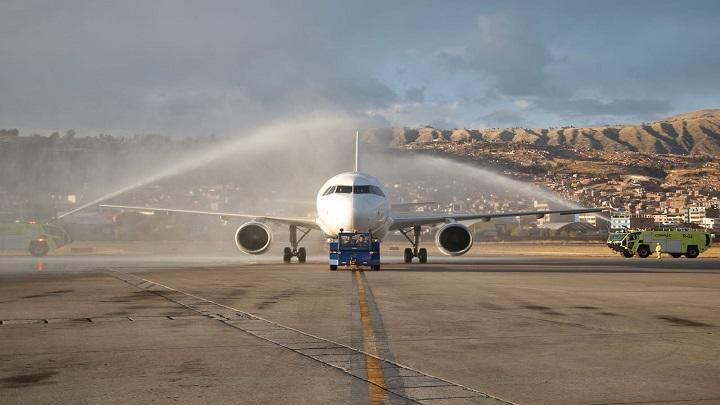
[
  {"x": 454, "y": 239},
  {"x": 253, "y": 238}
]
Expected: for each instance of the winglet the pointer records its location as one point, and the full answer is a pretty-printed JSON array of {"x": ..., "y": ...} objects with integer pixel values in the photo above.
[{"x": 357, "y": 150}]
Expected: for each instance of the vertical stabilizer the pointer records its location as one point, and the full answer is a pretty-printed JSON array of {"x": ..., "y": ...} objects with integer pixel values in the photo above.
[{"x": 357, "y": 151}]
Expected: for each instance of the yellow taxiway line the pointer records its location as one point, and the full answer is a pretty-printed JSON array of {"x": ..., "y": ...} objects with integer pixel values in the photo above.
[{"x": 376, "y": 389}]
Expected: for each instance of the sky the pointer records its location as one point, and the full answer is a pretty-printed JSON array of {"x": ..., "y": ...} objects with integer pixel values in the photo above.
[{"x": 196, "y": 68}]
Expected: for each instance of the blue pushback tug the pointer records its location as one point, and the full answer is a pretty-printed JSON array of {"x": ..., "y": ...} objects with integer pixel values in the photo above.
[{"x": 355, "y": 249}]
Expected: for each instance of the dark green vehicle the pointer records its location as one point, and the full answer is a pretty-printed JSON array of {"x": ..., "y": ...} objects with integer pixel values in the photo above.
[
  {"x": 677, "y": 243},
  {"x": 38, "y": 239}
]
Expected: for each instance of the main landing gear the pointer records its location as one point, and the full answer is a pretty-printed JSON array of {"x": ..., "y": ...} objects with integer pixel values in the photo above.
[
  {"x": 421, "y": 253},
  {"x": 296, "y": 251}
]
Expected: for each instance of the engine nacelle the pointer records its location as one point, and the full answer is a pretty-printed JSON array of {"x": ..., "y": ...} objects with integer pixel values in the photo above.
[
  {"x": 454, "y": 239},
  {"x": 253, "y": 238}
]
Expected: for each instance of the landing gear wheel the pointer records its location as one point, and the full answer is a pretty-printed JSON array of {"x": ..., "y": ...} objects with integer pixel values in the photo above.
[
  {"x": 692, "y": 252},
  {"x": 38, "y": 249},
  {"x": 294, "y": 250},
  {"x": 415, "y": 241},
  {"x": 408, "y": 255},
  {"x": 375, "y": 267},
  {"x": 643, "y": 251},
  {"x": 676, "y": 255},
  {"x": 287, "y": 255},
  {"x": 422, "y": 255},
  {"x": 333, "y": 267},
  {"x": 627, "y": 254}
]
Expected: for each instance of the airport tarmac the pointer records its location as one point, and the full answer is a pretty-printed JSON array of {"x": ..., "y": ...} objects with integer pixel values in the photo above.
[{"x": 487, "y": 330}]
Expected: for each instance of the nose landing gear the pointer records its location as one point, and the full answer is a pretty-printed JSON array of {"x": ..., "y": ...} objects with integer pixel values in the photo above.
[
  {"x": 296, "y": 251},
  {"x": 420, "y": 253}
]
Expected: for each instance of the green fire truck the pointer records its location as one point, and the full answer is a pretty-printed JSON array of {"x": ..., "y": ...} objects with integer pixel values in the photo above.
[
  {"x": 676, "y": 242},
  {"x": 38, "y": 239}
]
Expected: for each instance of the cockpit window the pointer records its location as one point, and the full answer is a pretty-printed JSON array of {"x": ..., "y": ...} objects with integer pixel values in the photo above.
[
  {"x": 376, "y": 190},
  {"x": 354, "y": 189}
]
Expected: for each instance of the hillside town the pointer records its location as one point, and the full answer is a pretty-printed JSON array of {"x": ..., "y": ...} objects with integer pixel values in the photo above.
[{"x": 640, "y": 190}]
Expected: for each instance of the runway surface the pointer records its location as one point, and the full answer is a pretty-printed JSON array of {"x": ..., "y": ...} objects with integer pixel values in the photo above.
[{"x": 476, "y": 330}]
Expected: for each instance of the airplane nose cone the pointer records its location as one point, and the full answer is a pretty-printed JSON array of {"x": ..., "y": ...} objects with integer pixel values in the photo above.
[
  {"x": 362, "y": 220},
  {"x": 342, "y": 215},
  {"x": 352, "y": 215}
]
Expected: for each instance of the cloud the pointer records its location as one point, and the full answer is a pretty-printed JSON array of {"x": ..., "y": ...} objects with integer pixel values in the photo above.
[
  {"x": 441, "y": 123},
  {"x": 415, "y": 94},
  {"x": 522, "y": 103},
  {"x": 194, "y": 68},
  {"x": 632, "y": 108},
  {"x": 503, "y": 118},
  {"x": 506, "y": 50},
  {"x": 187, "y": 69}
]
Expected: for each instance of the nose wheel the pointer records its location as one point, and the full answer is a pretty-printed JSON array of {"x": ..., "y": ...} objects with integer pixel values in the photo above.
[
  {"x": 294, "y": 250},
  {"x": 410, "y": 253}
]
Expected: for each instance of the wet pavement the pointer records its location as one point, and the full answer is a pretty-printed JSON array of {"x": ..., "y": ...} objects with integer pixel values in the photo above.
[{"x": 476, "y": 330}]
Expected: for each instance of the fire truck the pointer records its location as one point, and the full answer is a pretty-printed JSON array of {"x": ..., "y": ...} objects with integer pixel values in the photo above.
[
  {"x": 38, "y": 239},
  {"x": 676, "y": 242}
]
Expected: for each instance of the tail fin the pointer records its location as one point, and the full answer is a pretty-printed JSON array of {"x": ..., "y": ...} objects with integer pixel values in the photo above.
[{"x": 357, "y": 151}]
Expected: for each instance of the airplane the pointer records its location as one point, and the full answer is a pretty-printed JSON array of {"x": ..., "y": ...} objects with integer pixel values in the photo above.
[{"x": 356, "y": 201}]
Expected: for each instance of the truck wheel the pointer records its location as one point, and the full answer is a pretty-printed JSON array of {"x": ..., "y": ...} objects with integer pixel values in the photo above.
[
  {"x": 38, "y": 249},
  {"x": 408, "y": 255},
  {"x": 676, "y": 255},
  {"x": 302, "y": 254},
  {"x": 333, "y": 267},
  {"x": 627, "y": 254},
  {"x": 422, "y": 255},
  {"x": 375, "y": 267},
  {"x": 287, "y": 255},
  {"x": 692, "y": 252},
  {"x": 643, "y": 251}
]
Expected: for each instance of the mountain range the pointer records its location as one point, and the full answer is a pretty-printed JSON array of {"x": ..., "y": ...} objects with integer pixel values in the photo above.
[{"x": 694, "y": 133}]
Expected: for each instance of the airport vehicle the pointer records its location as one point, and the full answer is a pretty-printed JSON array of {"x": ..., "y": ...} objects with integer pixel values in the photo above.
[
  {"x": 676, "y": 242},
  {"x": 353, "y": 201},
  {"x": 38, "y": 239},
  {"x": 354, "y": 249},
  {"x": 615, "y": 240}
]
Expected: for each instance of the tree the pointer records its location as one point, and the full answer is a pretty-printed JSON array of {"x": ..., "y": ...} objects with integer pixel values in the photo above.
[{"x": 9, "y": 132}]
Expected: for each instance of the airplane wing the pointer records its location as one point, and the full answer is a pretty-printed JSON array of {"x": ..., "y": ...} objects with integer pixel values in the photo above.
[
  {"x": 408, "y": 205},
  {"x": 402, "y": 221},
  {"x": 304, "y": 222}
]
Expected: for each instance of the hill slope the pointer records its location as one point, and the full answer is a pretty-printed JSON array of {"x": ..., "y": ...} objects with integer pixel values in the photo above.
[{"x": 692, "y": 133}]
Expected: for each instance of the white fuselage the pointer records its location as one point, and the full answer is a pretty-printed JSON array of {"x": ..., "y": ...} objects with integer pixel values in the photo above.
[{"x": 353, "y": 202}]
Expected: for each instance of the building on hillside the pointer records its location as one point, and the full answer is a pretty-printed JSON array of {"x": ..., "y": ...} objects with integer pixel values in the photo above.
[
  {"x": 642, "y": 222},
  {"x": 671, "y": 217},
  {"x": 625, "y": 220},
  {"x": 660, "y": 218},
  {"x": 712, "y": 212},
  {"x": 620, "y": 220},
  {"x": 694, "y": 215},
  {"x": 674, "y": 219},
  {"x": 589, "y": 218},
  {"x": 543, "y": 206},
  {"x": 711, "y": 223}
]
